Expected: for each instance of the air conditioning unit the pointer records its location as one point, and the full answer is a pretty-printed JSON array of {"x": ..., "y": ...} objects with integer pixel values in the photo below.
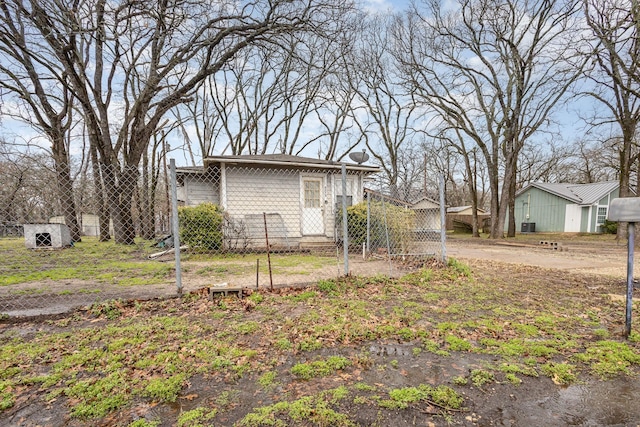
[{"x": 528, "y": 227}]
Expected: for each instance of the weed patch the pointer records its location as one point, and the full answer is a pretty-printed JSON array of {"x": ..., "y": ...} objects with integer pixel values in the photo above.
[
  {"x": 609, "y": 358},
  {"x": 320, "y": 368},
  {"x": 560, "y": 373},
  {"x": 442, "y": 396},
  {"x": 308, "y": 410},
  {"x": 196, "y": 417}
]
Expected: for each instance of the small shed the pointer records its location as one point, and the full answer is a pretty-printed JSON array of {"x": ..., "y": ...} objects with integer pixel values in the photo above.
[
  {"x": 427, "y": 215},
  {"x": 38, "y": 236}
]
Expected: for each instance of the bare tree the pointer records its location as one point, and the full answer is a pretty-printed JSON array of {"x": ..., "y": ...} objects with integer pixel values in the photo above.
[
  {"x": 262, "y": 101},
  {"x": 386, "y": 120},
  {"x": 542, "y": 162},
  {"x": 452, "y": 148},
  {"x": 616, "y": 75},
  {"x": 597, "y": 161},
  {"x": 28, "y": 79},
  {"x": 335, "y": 113},
  {"x": 128, "y": 63},
  {"x": 29, "y": 191},
  {"x": 494, "y": 70}
]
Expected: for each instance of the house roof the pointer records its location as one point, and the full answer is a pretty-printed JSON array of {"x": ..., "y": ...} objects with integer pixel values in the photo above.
[
  {"x": 425, "y": 203},
  {"x": 457, "y": 209},
  {"x": 582, "y": 194},
  {"x": 287, "y": 160}
]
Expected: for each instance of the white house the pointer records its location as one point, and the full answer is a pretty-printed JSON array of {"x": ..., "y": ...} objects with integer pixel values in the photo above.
[{"x": 297, "y": 197}]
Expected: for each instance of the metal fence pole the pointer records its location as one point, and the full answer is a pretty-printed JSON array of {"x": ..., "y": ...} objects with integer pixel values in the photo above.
[
  {"x": 631, "y": 229},
  {"x": 369, "y": 223},
  {"x": 386, "y": 234},
  {"x": 175, "y": 226},
  {"x": 345, "y": 227},
  {"x": 443, "y": 220}
]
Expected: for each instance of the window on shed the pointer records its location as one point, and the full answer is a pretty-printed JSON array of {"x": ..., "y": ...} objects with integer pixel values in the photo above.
[{"x": 602, "y": 215}]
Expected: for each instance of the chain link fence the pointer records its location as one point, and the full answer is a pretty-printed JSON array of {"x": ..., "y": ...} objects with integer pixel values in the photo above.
[{"x": 238, "y": 222}]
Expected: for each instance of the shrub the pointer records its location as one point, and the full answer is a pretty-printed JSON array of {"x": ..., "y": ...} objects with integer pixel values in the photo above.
[
  {"x": 610, "y": 227},
  {"x": 399, "y": 221},
  {"x": 201, "y": 226}
]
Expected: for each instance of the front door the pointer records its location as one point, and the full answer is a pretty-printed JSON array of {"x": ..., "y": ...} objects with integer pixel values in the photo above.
[{"x": 312, "y": 206}]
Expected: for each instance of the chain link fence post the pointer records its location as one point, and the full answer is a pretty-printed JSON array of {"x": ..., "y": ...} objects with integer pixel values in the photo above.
[
  {"x": 443, "y": 220},
  {"x": 345, "y": 225},
  {"x": 175, "y": 226}
]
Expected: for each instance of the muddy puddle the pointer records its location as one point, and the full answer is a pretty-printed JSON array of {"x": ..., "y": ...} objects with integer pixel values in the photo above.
[
  {"x": 537, "y": 402},
  {"x": 595, "y": 403}
]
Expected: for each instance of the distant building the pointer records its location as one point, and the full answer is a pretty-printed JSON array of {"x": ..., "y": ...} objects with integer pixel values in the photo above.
[
  {"x": 90, "y": 224},
  {"x": 571, "y": 208},
  {"x": 460, "y": 218}
]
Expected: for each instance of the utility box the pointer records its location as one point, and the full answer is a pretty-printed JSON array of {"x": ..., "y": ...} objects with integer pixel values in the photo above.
[
  {"x": 37, "y": 236},
  {"x": 528, "y": 227},
  {"x": 625, "y": 209}
]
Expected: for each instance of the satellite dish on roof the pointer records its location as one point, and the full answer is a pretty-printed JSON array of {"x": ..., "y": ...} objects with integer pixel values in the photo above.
[{"x": 359, "y": 157}]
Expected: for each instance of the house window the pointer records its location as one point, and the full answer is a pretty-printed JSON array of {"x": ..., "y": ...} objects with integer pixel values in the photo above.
[
  {"x": 602, "y": 215},
  {"x": 350, "y": 191},
  {"x": 311, "y": 194},
  {"x": 350, "y": 187}
]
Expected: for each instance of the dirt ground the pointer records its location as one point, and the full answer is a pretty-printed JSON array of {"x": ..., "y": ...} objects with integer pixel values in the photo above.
[{"x": 607, "y": 258}]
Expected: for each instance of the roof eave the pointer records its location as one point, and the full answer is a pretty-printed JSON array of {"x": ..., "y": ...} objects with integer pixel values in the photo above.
[{"x": 335, "y": 166}]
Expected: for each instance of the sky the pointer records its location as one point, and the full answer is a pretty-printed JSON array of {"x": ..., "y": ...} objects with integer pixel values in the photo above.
[
  {"x": 384, "y": 5},
  {"x": 570, "y": 118}
]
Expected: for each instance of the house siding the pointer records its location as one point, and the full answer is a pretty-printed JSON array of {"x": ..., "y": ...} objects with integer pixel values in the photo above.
[
  {"x": 605, "y": 201},
  {"x": 546, "y": 210},
  {"x": 198, "y": 189},
  {"x": 594, "y": 217},
  {"x": 252, "y": 192},
  {"x": 246, "y": 192},
  {"x": 584, "y": 221}
]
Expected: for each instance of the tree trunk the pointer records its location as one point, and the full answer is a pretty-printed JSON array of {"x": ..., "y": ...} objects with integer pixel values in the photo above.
[
  {"x": 65, "y": 191},
  {"x": 472, "y": 174},
  {"x": 100, "y": 206},
  {"x": 145, "y": 205},
  {"x": 65, "y": 186},
  {"x": 496, "y": 231},
  {"x": 625, "y": 172},
  {"x": 124, "y": 226},
  {"x": 511, "y": 228}
]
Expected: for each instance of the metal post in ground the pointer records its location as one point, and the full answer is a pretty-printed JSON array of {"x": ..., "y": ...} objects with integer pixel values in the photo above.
[
  {"x": 386, "y": 233},
  {"x": 345, "y": 227},
  {"x": 627, "y": 209},
  {"x": 369, "y": 223},
  {"x": 266, "y": 237},
  {"x": 629, "y": 308},
  {"x": 443, "y": 220},
  {"x": 175, "y": 226}
]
